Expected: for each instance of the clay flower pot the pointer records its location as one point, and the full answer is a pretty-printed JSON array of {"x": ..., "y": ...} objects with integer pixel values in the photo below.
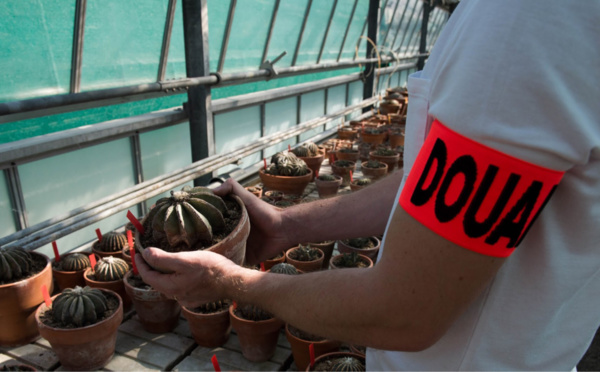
[
  {"x": 355, "y": 184},
  {"x": 274, "y": 261},
  {"x": 126, "y": 255},
  {"x": 87, "y": 348},
  {"x": 157, "y": 313},
  {"x": 314, "y": 163},
  {"x": 68, "y": 279},
  {"x": 396, "y": 139},
  {"x": 391, "y": 160},
  {"x": 343, "y": 172},
  {"x": 325, "y": 361},
  {"x": 18, "y": 303},
  {"x": 326, "y": 247},
  {"x": 347, "y": 133},
  {"x": 209, "y": 330},
  {"x": 373, "y": 138},
  {"x": 328, "y": 188},
  {"x": 258, "y": 339},
  {"x": 334, "y": 262},
  {"x": 300, "y": 348},
  {"x": 389, "y": 107},
  {"x": 305, "y": 266},
  {"x": 347, "y": 154},
  {"x": 373, "y": 173},
  {"x": 369, "y": 252},
  {"x": 256, "y": 190},
  {"x": 287, "y": 184},
  {"x": 116, "y": 286}
]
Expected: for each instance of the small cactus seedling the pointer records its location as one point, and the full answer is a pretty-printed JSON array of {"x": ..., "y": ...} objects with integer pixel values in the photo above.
[
  {"x": 327, "y": 177},
  {"x": 347, "y": 150},
  {"x": 360, "y": 243},
  {"x": 373, "y": 164},
  {"x": 284, "y": 268},
  {"x": 382, "y": 151},
  {"x": 15, "y": 263},
  {"x": 343, "y": 163},
  {"x": 363, "y": 182},
  {"x": 110, "y": 268},
  {"x": 301, "y": 152},
  {"x": 75, "y": 262},
  {"x": 213, "y": 307},
  {"x": 349, "y": 260},
  {"x": 79, "y": 307},
  {"x": 305, "y": 253},
  {"x": 287, "y": 164},
  {"x": 111, "y": 242},
  {"x": 252, "y": 312},
  {"x": 349, "y": 364}
]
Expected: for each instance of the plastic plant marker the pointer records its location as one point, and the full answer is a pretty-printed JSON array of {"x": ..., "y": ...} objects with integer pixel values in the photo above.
[
  {"x": 331, "y": 159},
  {"x": 56, "y": 254},
  {"x": 46, "y": 296},
  {"x": 92, "y": 258},
  {"x": 265, "y": 162},
  {"x": 289, "y": 148},
  {"x": 135, "y": 222},
  {"x": 351, "y": 176},
  {"x": 99, "y": 235},
  {"x": 215, "y": 363},
  {"x": 317, "y": 173},
  {"x": 311, "y": 351},
  {"x": 262, "y": 266},
  {"x": 234, "y": 305},
  {"x": 132, "y": 252}
]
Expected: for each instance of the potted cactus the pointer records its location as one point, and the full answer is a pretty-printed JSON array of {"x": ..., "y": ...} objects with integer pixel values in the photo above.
[
  {"x": 327, "y": 247},
  {"x": 347, "y": 133},
  {"x": 81, "y": 326},
  {"x": 300, "y": 343},
  {"x": 209, "y": 323},
  {"x": 268, "y": 264},
  {"x": 258, "y": 330},
  {"x": 373, "y": 136},
  {"x": 256, "y": 190},
  {"x": 108, "y": 273},
  {"x": 373, "y": 169},
  {"x": 305, "y": 258},
  {"x": 328, "y": 185},
  {"x": 68, "y": 271},
  {"x": 286, "y": 173},
  {"x": 343, "y": 168},
  {"x": 339, "y": 361},
  {"x": 360, "y": 183},
  {"x": 350, "y": 260},
  {"x": 311, "y": 155},
  {"x": 368, "y": 246},
  {"x": 385, "y": 155},
  {"x": 111, "y": 244},
  {"x": 22, "y": 275},
  {"x": 389, "y": 107},
  {"x": 396, "y": 137},
  {"x": 346, "y": 153}
]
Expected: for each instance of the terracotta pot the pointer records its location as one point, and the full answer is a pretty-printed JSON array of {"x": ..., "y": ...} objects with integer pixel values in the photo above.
[
  {"x": 373, "y": 138},
  {"x": 305, "y": 266},
  {"x": 116, "y": 286},
  {"x": 287, "y": 185},
  {"x": 347, "y": 133},
  {"x": 354, "y": 155},
  {"x": 357, "y": 349},
  {"x": 343, "y": 172},
  {"x": 365, "y": 259},
  {"x": 258, "y": 339},
  {"x": 274, "y": 261},
  {"x": 68, "y": 279},
  {"x": 126, "y": 256},
  {"x": 102, "y": 254},
  {"x": 369, "y": 252},
  {"x": 209, "y": 330},
  {"x": 389, "y": 107},
  {"x": 334, "y": 355},
  {"x": 255, "y": 190},
  {"x": 18, "y": 303},
  {"x": 157, "y": 313},
  {"x": 300, "y": 348},
  {"x": 86, "y": 348},
  {"x": 396, "y": 139},
  {"x": 314, "y": 163},
  {"x": 355, "y": 187},
  {"x": 391, "y": 161},
  {"x": 233, "y": 246},
  {"x": 328, "y": 188},
  {"x": 327, "y": 248},
  {"x": 373, "y": 173}
]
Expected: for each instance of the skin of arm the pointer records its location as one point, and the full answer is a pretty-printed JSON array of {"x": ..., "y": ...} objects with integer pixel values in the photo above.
[{"x": 421, "y": 284}]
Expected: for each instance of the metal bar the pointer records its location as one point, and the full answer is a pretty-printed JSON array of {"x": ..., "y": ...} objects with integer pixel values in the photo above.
[
  {"x": 399, "y": 25},
  {"x": 360, "y": 38},
  {"x": 412, "y": 34},
  {"x": 17, "y": 201},
  {"x": 47, "y": 231},
  {"x": 423, "y": 41},
  {"x": 77, "y": 51},
  {"x": 347, "y": 30},
  {"x": 407, "y": 26},
  {"x": 195, "y": 25},
  {"x": 298, "y": 113},
  {"x": 325, "y": 103},
  {"x": 327, "y": 30},
  {"x": 232, "y": 6},
  {"x": 270, "y": 33},
  {"x": 262, "y": 126},
  {"x": 138, "y": 170},
  {"x": 164, "y": 50},
  {"x": 373, "y": 30},
  {"x": 391, "y": 23},
  {"x": 301, "y": 34}
]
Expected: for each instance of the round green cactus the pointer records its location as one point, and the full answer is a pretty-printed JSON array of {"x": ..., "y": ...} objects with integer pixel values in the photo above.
[
  {"x": 287, "y": 164},
  {"x": 110, "y": 268},
  {"x": 348, "y": 364},
  {"x": 187, "y": 218},
  {"x": 301, "y": 152},
  {"x": 111, "y": 242},
  {"x": 75, "y": 262},
  {"x": 313, "y": 149},
  {"x": 79, "y": 307},
  {"x": 284, "y": 268},
  {"x": 327, "y": 177},
  {"x": 15, "y": 264}
]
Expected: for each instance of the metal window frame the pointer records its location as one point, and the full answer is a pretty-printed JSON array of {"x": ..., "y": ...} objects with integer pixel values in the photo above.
[
  {"x": 400, "y": 24},
  {"x": 166, "y": 42},
  {"x": 391, "y": 23},
  {"x": 398, "y": 50},
  {"x": 77, "y": 51},
  {"x": 301, "y": 34},
  {"x": 225, "y": 42},
  {"x": 347, "y": 30},
  {"x": 331, "y": 14},
  {"x": 270, "y": 33}
]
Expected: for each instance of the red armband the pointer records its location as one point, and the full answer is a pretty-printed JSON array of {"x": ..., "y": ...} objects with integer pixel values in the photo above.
[{"x": 473, "y": 195}]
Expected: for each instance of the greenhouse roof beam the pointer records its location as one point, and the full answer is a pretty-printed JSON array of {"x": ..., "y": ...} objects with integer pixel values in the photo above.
[
  {"x": 77, "y": 52},
  {"x": 387, "y": 32},
  {"x": 164, "y": 50},
  {"x": 399, "y": 25},
  {"x": 270, "y": 33},
  {"x": 227, "y": 35},
  {"x": 324, "y": 41},
  {"x": 347, "y": 30},
  {"x": 301, "y": 34},
  {"x": 406, "y": 28}
]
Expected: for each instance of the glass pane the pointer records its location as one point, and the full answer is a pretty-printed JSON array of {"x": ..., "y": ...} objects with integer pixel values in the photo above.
[
  {"x": 286, "y": 31},
  {"x": 164, "y": 151},
  {"x": 336, "y": 101},
  {"x": 393, "y": 17},
  {"x": 354, "y": 33},
  {"x": 7, "y": 220},
  {"x": 176, "y": 58},
  {"x": 122, "y": 42},
  {"x": 337, "y": 30},
  {"x": 280, "y": 115},
  {"x": 36, "y": 44},
  {"x": 218, "y": 11},
  {"x": 248, "y": 35},
  {"x": 236, "y": 129},
  {"x": 355, "y": 96},
  {"x": 411, "y": 30},
  {"x": 316, "y": 24},
  {"x": 311, "y": 107}
]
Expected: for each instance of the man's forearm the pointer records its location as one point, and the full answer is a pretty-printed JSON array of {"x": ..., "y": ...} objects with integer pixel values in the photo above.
[{"x": 359, "y": 214}]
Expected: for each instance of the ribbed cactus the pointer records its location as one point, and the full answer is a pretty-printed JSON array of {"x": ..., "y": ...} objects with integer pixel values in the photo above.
[
  {"x": 110, "y": 268},
  {"x": 75, "y": 262},
  {"x": 186, "y": 219},
  {"x": 287, "y": 164},
  {"x": 347, "y": 364},
  {"x": 305, "y": 253},
  {"x": 79, "y": 307},
  {"x": 308, "y": 149},
  {"x": 15, "y": 263},
  {"x": 111, "y": 242},
  {"x": 212, "y": 307},
  {"x": 284, "y": 268}
]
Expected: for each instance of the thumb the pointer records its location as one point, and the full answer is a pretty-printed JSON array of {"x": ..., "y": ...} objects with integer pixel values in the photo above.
[
  {"x": 161, "y": 260},
  {"x": 225, "y": 188}
]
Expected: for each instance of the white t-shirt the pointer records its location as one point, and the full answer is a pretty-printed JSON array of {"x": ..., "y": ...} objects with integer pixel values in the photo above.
[{"x": 522, "y": 77}]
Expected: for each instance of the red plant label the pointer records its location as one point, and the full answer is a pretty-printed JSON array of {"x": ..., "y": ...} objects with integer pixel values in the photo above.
[
  {"x": 132, "y": 252},
  {"x": 92, "y": 258},
  {"x": 46, "y": 296},
  {"x": 473, "y": 195},
  {"x": 265, "y": 163},
  {"x": 215, "y": 363},
  {"x": 262, "y": 266},
  {"x": 311, "y": 351},
  {"x": 99, "y": 235},
  {"x": 135, "y": 222},
  {"x": 56, "y": 254}
]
